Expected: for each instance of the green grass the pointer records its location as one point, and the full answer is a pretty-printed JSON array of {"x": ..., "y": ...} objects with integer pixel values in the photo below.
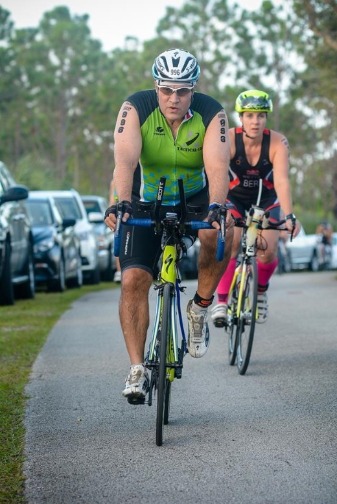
[{"x": 24, "y": 328}]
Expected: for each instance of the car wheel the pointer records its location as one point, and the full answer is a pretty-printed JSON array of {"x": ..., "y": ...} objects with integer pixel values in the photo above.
[
  {"x": 77, "y": 281},
  {"x": 108, "y": 273},
  {"x": 27, "y": 289},
  {"x": 314, "y": 263},
  {"x": 58, "y": 284},
  {"x": 6, "y": 283},
  {"x": 95, "y": 276}
]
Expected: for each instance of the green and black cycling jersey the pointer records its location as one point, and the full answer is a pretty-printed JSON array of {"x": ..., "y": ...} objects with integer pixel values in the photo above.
[{"x": 163, "y": 155}]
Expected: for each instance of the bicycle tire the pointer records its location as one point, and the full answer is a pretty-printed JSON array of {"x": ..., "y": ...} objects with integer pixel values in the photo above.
[
  {"x": 247, "y": 317},
  {"x": 231, "y": 328},
  {"x": 162, "y": 380},
  {"x": 167, "y": 402}
]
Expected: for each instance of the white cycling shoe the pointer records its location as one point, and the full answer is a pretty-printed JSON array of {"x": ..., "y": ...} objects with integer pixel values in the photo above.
[{"x": 198, "y": 332}]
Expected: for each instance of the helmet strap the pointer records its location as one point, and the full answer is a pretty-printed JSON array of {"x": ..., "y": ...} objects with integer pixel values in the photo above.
[{"x": 245, "y": 132}]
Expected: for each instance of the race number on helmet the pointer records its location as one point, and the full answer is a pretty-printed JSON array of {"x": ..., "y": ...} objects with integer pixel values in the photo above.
[{"x": 176, "y": 65}]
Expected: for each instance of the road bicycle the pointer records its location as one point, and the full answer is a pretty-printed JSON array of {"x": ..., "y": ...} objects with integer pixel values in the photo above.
[
  {"x": 242, "y": 309},
  {"x": 167, "y": 347}
]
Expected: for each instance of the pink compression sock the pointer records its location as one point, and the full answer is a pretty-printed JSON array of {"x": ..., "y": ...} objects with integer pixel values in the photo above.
[
  {"x": 225, "y": 282},
  {"x": 264, "y": 273}
]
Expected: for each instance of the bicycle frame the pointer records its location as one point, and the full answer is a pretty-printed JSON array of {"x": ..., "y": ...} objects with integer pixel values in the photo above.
[{"x": 168, "y": 275}]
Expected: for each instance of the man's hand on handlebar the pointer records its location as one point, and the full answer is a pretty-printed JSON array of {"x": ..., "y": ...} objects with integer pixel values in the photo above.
[
  {"x": 121, "y": 210},
  {"x": 215, "y": 212}
]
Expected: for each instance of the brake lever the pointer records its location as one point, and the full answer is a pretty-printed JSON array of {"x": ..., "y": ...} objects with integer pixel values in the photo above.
[
  {"x": 117, "y": 239},
  {"x": 223, "y": 218},
  {"x": 265, "y": 220}
]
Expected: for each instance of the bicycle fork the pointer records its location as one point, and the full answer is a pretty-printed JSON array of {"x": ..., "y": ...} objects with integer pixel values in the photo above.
[{"x": 239, "y": 280}]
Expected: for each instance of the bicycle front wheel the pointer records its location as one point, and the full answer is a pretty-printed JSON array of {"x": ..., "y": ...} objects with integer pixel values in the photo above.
[
  {"x": 247, "y": 317},
  {"x": 164, "y": 388},
  {"x": 231, "y": 325}
]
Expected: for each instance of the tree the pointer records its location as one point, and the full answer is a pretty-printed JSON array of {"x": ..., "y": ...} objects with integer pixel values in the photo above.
[
  {"x": 316, "y": 89},
  {"x": 60, "y": 93},
  {"x": 203, "y": 28}
]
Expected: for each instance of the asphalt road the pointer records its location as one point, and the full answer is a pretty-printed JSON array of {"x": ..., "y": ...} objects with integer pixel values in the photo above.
[{"x": 268, "y": 437}]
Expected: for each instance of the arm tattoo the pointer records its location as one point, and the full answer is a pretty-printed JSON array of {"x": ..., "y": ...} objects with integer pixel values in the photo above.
[
  {"x": 285, "y": 142},
  {"x": 125, "y": 111},
  {"x": 222, "y": 118}
]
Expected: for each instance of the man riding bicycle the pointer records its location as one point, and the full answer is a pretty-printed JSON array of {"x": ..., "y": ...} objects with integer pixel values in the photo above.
[
  {"x": 173, "y": 132},
  {"x": 256, "y": 153}
]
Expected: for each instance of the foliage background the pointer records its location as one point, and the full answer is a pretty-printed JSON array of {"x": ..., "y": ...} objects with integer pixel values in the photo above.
[{"x": 60, "y": 92}]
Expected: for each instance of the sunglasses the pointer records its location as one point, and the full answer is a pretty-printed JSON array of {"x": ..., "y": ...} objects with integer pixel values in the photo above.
[
  {"x": 256, "y": 103},
  {"x": 168, "y": 91}
]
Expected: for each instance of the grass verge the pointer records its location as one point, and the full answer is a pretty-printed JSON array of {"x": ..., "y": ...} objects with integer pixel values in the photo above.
[{"x": 24, "y": 328}]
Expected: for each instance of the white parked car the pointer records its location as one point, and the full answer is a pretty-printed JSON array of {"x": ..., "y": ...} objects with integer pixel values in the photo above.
[
  {"x": 304, "y": 252},
  {"x": 70, "y": 206},
  {"x": 333, "y": 263},
  {"x": 95, "y": 207}
]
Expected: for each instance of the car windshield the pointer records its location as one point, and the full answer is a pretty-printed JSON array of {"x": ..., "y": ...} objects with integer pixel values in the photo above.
[
  {"x": 91, "y": 206},
  {"x": 68, "y": 208},
  {"x": 40, "y": 213}
]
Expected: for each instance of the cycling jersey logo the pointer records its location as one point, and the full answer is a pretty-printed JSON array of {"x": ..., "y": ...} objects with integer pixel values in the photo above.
[
  {"x": 168, "y": 262},
  {"x": 159, "y": 130},
  {"x": 193, "y": 139}
]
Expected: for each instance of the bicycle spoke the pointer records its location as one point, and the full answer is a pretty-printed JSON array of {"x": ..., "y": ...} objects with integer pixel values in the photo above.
[
  {"x": 246, "y": 323},
  {"x": 231, "y": 327}
]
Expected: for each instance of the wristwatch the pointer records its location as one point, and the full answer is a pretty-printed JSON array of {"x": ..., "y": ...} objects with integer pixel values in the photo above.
[{"x": 291, "y": 216}]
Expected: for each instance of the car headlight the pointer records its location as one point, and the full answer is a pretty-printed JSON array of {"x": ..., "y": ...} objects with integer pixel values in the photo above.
[{"x": 44, "y": 245}]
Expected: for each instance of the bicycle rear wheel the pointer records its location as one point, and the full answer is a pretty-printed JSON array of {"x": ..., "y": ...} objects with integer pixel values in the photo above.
[
  {"x": 164, "y": 386},
  {"x": 247, "y": 317}
]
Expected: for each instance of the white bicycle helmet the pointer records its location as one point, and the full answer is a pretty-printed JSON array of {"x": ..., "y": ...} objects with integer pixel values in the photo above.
[{"x": 176, "y": 65}]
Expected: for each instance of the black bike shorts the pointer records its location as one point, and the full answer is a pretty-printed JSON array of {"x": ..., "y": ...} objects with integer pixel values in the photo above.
[
  {"x": 140, "y": 246},
  {"x": 239, "y": 208}
]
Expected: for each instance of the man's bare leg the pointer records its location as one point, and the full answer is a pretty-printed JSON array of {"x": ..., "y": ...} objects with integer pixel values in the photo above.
[{"x": 134, "y": 311}]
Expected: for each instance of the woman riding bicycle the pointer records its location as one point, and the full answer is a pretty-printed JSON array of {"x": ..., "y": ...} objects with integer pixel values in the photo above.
[
  {"x": 172, "y": 132},
  {"x": 256, "y": 153}
]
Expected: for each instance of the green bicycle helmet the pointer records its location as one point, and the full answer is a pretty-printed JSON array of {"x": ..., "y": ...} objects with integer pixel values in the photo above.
[{"x": 253, "y": 100}]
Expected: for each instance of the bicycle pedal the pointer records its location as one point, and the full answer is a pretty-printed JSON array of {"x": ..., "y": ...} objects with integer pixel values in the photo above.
[
  {"x": 136, "y": 400},
  {"x": 220, "y": 322}
]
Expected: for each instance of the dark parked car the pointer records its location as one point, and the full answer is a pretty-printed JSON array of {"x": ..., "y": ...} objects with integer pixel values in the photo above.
[
  {"x": 16, "y": 242},
  {"x": 95, "y": 207},
  {"x": 57, "y": 249}
]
